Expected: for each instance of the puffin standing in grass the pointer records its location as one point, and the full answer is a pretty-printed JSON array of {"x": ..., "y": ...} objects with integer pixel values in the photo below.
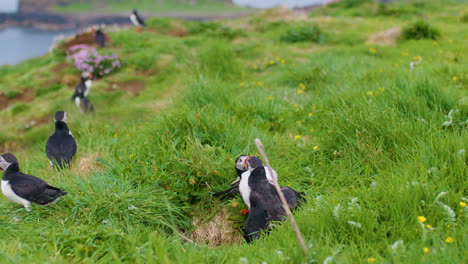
[
  {"x": 61, "y": 145},
  {"x": 82, "y": 91},
  {"x": 136, "y": 19},
  {"x": 25, "y": 189},
  {"x": 242, "y": 165},
  {"x": 85, "y": 84},
  {"x": 260, "y": 196},
  {"x": 100, "y": 38}
]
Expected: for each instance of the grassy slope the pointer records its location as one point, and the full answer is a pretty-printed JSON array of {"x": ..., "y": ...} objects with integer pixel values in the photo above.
[
  {"x": 151, "y": 6},
  {"x": 382, "y": 159}
]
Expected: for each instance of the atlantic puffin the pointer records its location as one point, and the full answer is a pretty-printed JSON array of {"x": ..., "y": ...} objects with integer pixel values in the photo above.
[
  {"x": 84, "y": 86},
  {"x": 136, "y": 19},
  {"x": 241, "y": 167},
  {"x": 25, "y": 189},
  {"x": 84, "y": 104},
  {"x": 100, "y": 38},
  {"x": 61, "y": 145},
  {"x": 263, "y": 201}
]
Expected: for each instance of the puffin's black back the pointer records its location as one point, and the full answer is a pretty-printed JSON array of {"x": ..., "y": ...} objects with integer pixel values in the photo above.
[
  {"x": 265, "y": 205},
  {"x": 100, "y": 38},
  {"x": 29, "y": 187},
  {"x": 61, "y": 146}
]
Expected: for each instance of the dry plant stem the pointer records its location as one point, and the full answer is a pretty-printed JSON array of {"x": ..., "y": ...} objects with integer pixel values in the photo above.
[{"x": 282, "y": 198}]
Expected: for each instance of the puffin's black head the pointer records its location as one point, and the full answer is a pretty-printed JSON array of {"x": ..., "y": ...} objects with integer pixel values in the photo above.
[
  {"x": 6, "y": 160},
  {"x": 134, "y": 11},
  {"x": 86, "y": 76},
  {"x": 254, "y": 162},
  {"x": 241, "y": 164},
  {"x": 60, "y": 116}
]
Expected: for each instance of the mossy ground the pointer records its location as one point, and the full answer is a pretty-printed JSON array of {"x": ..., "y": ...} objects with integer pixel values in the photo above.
[{"x": 369, "y": 141}]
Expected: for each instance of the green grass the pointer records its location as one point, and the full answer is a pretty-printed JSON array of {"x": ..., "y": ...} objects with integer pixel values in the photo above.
[
  {"x": 345, "y": 121},
  {"x": 151, "y": 6}
]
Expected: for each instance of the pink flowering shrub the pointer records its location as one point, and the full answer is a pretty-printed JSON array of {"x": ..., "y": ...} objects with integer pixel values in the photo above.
[{"x": 86, "y": 58}]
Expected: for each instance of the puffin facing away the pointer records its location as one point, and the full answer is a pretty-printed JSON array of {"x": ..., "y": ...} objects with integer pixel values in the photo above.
[
  {"x": 136, "y": 19},
  {"x": 84, "y": 104},
  {"x": 25, "y": 189},
  {"x": 264, "y": 203},
  {"x": 260, "y": 196},
  {"x": 100, "y": 38},
  {"x": 61, "y": 145}
]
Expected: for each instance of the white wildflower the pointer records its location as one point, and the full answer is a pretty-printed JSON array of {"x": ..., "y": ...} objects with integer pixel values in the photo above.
[
  {"x": 329, "y": 259},
  {"x": 448, "y": 210},
  {"x": 356, "y": 224},
  {"x": 397, "y": 244},
  {"x": 243, "y": 261},
  {"x": 373, "y": 185},
  {"x": 336, "y": 211},
  {"x": 132, "y": 207}
]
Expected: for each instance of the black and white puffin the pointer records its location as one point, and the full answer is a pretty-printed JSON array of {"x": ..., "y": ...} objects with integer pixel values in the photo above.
[
  {"x": 61, "y": 145},
  {"x": 136, "y": 19},
  {"x": 260, "y": 196},
  {"x": 241, "y": 167},
  {"x": 100, "y": 38},
  {"x": 263, "y": 202},
  {"x": 25, "y": 189},
  {"x": 84, "y": 86},
  {"x": 84, "y": 104}
]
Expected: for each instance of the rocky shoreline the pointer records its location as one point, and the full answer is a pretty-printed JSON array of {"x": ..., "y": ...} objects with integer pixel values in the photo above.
[{"x": 64, "y": 21}]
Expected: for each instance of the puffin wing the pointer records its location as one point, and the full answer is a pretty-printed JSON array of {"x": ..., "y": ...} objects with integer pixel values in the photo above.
[
  {"x": 293, "y": 198},
  {"x": 231, "y": 191},
  {"x": 27, "y": 186},
  {"x": 264, "y": 195},
  {"x": 61, "y": 147},
  {"x": 35, "y": 189}
]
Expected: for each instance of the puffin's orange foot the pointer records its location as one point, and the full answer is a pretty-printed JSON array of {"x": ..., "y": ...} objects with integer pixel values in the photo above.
[{"x": 244, "y": 212}]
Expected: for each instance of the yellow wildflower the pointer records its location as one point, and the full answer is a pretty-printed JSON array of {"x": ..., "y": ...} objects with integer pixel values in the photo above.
[
  {"x": 422, "y": 219},
  {"x": 302, "y": 86},
  {"x": 300, "y": 91},
  {"x": 454, "y": 78},
  {"x": 299, "y": 122},
  {"x": 310, "y": 114},
  {"x": 269, "y": 98},
  {"x": 370, "y": 93},
  {"x": 371, "y": 260},
  {"x": 449, "y": 240},
  {"x": 272, "y": 62},
  {"x": 462, "y": 204},
  {"x": 297, "y": 137},
  {"x": 311, "y": 130},
  {"x": 259, "y": 83},
  {"x": 428, "y": 226},
  {"x": 381, "y": 89},
  {"x": 426, "y": 250},
  {"x": 316, "y": 147},
  {"x": 372, "y": 50},
  {"x": 283, "y": 61}
]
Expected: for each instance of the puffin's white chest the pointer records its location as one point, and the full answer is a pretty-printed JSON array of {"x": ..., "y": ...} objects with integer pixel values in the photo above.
[
  {"x": 244, "y": 188},
  {"x": 78, "y": 102},
  {"x": 8, "y": 192},
  {"x": 134, "y": 20},
  {"x": 88, "y": 84}
]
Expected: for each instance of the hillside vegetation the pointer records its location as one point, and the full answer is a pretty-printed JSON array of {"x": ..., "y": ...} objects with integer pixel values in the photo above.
[{"x": 378, "y": 148}]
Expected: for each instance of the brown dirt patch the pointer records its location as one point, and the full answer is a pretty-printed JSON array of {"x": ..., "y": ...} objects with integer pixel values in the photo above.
[
  {"x": 3, "y": 101},
  {"x": 35, "y": 122},
  {"x": 218, "y": 231},
  {"x": 385, "y": 38},
  {"x": 134, "y": 87},
  {"x": 9, "y": 147},
  {"x": 86, "y": 38},
  {"x": 178, "y": 33},
  {"x": 27, "y": 95},
  {"x": 86, "y": 165}
]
